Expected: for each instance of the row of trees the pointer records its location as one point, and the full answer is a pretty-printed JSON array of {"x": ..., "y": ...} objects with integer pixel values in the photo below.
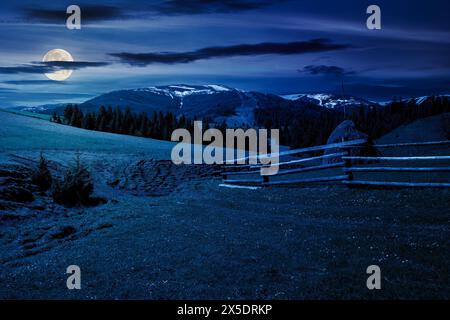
[{"x": 158, "y": 126}]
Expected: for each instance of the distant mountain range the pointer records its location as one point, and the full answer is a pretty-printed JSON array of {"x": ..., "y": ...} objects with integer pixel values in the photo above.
[
  {"x": 331, "y": 101},
  {"x": 217, "y": 102}
]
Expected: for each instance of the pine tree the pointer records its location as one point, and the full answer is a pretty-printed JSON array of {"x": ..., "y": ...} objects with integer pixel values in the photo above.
[
  {"x": 68, "y": 114},
  {"x": 77, "y": 186},
  {"x": 42, "y": 177}
]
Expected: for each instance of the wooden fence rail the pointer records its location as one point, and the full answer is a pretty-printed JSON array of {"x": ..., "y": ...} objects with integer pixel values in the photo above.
[
  {"x": 235, "y": 173},
  {"x": 409, "y": 144},
  {"x": 397, "y": 169},
  {"x": 340, "y": 145},
  {"x": 303, "y": 181},
  {"x": 398, "y": 158},
  {"x": 312, "y": 168},
  {"x": 326, "y": 156},
  {"x": 349, "y": 165},
  {"x": 356, "y": 183}
]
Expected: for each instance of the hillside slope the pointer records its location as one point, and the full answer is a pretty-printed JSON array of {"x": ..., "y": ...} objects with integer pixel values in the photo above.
[
  {"x": 422, "y": 130},
  {"x": 19, "y": 132}
]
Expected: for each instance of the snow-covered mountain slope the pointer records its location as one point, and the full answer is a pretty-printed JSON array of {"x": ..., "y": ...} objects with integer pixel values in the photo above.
[
  {"x": 420, "y": 101},
  {"x": 216, "y": 102},
  {"x": 169, "y": 98},
  {"x": 43, "y": 109},
  {"x": 428, "y": 99},
  {"x": 191, "y": 100},
  {"x": 182, "y": 91},
  {"x": 331, "y": 101}
]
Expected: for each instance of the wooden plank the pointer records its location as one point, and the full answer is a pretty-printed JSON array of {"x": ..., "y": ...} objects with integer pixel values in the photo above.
[
  {"x": 332, "y": 155},
  {"x": 302, "y": 150},
  {"x": 239, "y": 186},
  {"x": 238, "y": 173},
  {"x": 397, "y": 169},
  {"x": 397, "y": 184},
  {"x": 315, "y": 148},
  {"x": 259, "y": 181},
  {"x": 408, "y": 144},
  {"x": 411, "y": 144},
  {"x": 313, "y": 168},
  {"x": 286, "y": 172},
  {"x": 398, "y": 158},
  {"x": 311, "y": 180},
  {"x": 238, "y": 166}
]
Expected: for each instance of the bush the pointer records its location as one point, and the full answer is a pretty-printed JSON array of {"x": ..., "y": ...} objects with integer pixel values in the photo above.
[
  {"x": 42, "y": 177},
  {"x": 76, "y": 188}
]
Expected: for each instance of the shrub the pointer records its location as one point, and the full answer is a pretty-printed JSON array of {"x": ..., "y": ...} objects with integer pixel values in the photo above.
[
  {"x": 42, "y": 177},
  {"x": 76, "y": 187}
]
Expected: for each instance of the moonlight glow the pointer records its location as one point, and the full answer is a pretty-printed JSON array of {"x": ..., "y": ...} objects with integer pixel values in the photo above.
[{"x": 58, "y": 55}]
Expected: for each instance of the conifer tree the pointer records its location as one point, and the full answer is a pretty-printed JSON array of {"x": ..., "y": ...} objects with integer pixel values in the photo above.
[
  {"x": 42, "y": 177},
  {"x": 77, "y": 186}
]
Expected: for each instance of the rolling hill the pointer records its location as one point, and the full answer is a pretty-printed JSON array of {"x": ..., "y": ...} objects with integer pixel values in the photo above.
[
  {"x": 422, "y": 130},
  {"x": 21, "y": 133}
]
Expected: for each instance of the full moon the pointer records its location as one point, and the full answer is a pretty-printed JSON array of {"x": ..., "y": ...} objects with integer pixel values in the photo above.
[{"x": 58, "y": 55}]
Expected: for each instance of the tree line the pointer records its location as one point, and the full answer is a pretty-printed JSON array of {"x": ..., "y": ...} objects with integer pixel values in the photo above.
[{"x": 157, "y": 126}]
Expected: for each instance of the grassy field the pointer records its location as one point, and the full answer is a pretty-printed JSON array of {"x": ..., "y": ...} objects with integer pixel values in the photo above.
[
  {"x": 197, "y": 240},
  {"x": 26, "y": 133}
]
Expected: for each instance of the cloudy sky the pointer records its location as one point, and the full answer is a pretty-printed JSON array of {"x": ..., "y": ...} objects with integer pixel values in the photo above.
[{"x": 283, "y": 46}]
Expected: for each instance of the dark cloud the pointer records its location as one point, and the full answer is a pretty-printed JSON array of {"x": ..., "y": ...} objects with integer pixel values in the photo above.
[
  {"x": 89, "y": 13},
  {"x": 410, "y": 87},
  {"x": 300, "y": 47},
  {"x": 178, "y": 7},
  {"x": 34, "y": 69},
  {"x": 33, "y": 82},
  {"x": 49, "y": 67},
  {"x": 93, "y": 13},
  {"x": 325, "y": 70},
  {"x": 73, "y": 64}
]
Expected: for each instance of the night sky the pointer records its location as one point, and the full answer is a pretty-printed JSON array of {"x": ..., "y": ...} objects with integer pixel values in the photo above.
[{"x": 281, "y": 47}]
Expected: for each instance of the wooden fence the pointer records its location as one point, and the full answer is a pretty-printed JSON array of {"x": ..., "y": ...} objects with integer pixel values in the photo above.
[{"x": 342, "y": 160}]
